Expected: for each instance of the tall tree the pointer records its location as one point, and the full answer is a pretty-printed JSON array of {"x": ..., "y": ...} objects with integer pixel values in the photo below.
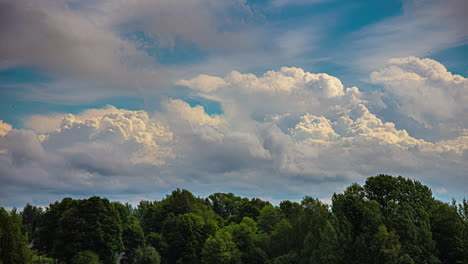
[
  {"x": 30, "y": 218},
  {"x": 221, "y": 249},
  {"x": 147, "y": 255},
  {"x": 13, "y": 244},
  {"x": 91, "y": 224},
  {"x": 269, "y": 218},
  {"x": 185, "y": 235},
  {"x": 447, "y": 231},
  {"x": 406, "y": 206}
]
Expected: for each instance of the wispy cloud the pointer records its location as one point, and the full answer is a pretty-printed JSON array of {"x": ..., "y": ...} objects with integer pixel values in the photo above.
[{"x": 423, "y": 28}]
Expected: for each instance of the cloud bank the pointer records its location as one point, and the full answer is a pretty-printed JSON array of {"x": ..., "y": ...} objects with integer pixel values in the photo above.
[{"x": 288, "y": 133}]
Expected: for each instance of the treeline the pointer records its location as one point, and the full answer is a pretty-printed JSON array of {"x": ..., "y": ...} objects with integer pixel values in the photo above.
[{"x": 388, "y": 220}]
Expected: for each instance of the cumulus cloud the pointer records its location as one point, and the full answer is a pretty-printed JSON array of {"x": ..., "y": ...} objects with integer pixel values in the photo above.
[
  {"x": 84, "y": 150},
  {"x": 289, "y": 90},
  {"x": 427, "y": 92},
  {"x": 286, "y": 132},
  {"x": 4, "y": 128}
]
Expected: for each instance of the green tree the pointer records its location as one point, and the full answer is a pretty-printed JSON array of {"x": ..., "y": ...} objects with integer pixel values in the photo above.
[
  {"x": 463, "y": 213},
  {"x": 245, "y": 236},
  {"x": 290, "y": 258},
  {"x": 447, "y": 231},
  {"x": 79, "y": 225},
  {"x": 358, "y": 221},
  {"x": 157, "y": 241},
  {"x": 269, "y": 218},
  {"x": 220, "y": 248},
  {"x": 281, "y": 239},
  {"x": 225, "y": 204},
  {"x": 132, "y": 233},
  {"x": 177, "y": 203},
  {"x": 147, "y": 255},
  {"x": 185, "y": 235},
  {"x": 388, "y": 245},
  {"x": 329, "y": 249},
  {"x": 30, "y": 219},
  {"x": 48, "y": 229},
  {"x": 13, "y": 244},
  {"x": 85, "y": 257},
  {"x": 406, "y": 206}
]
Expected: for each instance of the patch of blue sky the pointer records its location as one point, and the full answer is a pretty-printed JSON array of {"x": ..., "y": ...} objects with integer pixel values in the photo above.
[
  {"x": 454, "y": 59},
  {"x": 178, "y": 52},
  {"x": 211, "y": 107},
  {"x": 21, "y": 75},
  {"x": 14, "y": 110},
  {"x": 353, "y": 14}
]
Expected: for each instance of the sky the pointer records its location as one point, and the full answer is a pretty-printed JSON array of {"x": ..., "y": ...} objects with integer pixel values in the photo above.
[{"x": 276, "y": 99}]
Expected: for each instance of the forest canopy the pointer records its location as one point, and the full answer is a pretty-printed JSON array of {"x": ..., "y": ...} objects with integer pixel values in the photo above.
[{"x": 387, "y": 220}]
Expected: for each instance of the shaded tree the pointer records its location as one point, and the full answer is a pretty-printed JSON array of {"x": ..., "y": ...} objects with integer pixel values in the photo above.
[
  {"x": 220, "y": 248},
  {"x": 85, "y": 257},
  {"x": 79, "y": 225},
  {"x": 30, "y": 219},
  {"x": 447, "y": 231},
  {"x": 13, "y": 244},
  {"x": 268, "y": 218},
  {"x": 147, "y": 255}
]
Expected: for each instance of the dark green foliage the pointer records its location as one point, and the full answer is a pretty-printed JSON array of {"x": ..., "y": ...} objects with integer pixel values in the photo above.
[
  {"x": 147, "y": 255},
  {"x": 132, "y": 233},
  {"x": 73, "y": 226},
  {"x": 158, "y": 242},
  {"x": 388, "y": 220},
  {"x": 447, "y": 231},
  {"x": 85, "y": 257},
  {"x": 30, "y": 219},
  {"x": 290, "y": 258},
  {"x": 269, "y": 218},
  {"x": 282, "y": 238},
  {"x": 13, "y": 244},
  {"x": 185, "y": 235},
  {"x": 406, "y": 206},
  {"x": 225, "y": 204},
  {"x": 221, "y": 249},
  {"x": 463, "y": 212}
]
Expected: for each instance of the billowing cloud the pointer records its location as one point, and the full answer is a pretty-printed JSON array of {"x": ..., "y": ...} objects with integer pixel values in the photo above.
[
  {"x": 288, "y": 132},
  {"x": 4, "y": 128},
  {"x": 427, "y": 92}
]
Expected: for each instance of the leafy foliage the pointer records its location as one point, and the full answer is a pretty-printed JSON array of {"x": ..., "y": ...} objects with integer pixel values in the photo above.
[
  {"x": 13, "y": 244},
  {"x": 85, "y": 257},
  {"x": 388, "y": 220},
  {"x": 147, "y": 255}
]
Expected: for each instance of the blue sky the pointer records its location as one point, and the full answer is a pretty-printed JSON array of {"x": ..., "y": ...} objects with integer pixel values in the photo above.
[{"x": 132, "y": 99}]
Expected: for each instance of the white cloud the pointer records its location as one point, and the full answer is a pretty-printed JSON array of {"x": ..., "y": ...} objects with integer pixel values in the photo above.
[
  {"x": 427, "y": 92},
  {"x": 4, "y": 128},
  {"x": 285, "y": 132},
  {"x": 203, "y": 83},
  {"x": 424, "y": 27}
]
